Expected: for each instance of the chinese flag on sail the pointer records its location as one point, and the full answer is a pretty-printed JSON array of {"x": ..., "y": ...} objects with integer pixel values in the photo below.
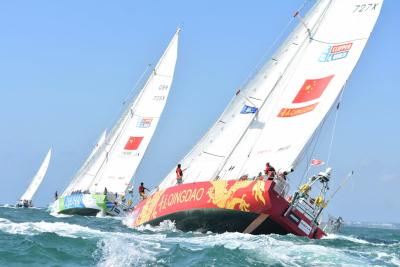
[
  {"x": 312, "y": 89},
  {"x": 133, "y": 143}
]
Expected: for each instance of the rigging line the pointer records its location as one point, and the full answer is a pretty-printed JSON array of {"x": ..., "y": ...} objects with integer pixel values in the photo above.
[
  {"x": 114, "y": 136},
  {"x": 253, "y": 74},
  {"x": 334, "y": 125},
  {"x": 305, "y": 173},
  {"x": 273, "y": 44},
  {"x": 119, "y": 122},
  {"x": 134, "y": 88},
  {"x": 316, "y": 25},
  {"x": 268, "y": 50},
  {"x": 256, "y": 113},
  {"x": 313, "y": 30},
  {"x": 315, "y": 139},
  {"x": 336, "y": 43}
]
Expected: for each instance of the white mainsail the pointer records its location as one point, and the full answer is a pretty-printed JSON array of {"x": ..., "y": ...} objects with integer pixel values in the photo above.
[
  {"x": 37, "y": 179},
  {"x": 309, "y": 88},
  {"x": 116, "y": 160},
  {"x": 282, "y": 115}
]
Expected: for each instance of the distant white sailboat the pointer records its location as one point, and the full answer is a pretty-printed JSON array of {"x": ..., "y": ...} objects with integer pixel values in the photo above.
[
  {"x": 101, "y": 183},
  {"x": 26, "y": 199}
]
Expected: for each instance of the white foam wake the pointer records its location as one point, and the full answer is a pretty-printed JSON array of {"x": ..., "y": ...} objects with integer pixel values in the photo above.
[
  {"x": 113, "y": 248},
  {"x": 164, "y": 226},
  {"x": 59, "y": 228},
  {"x": 348, "y": 238},
  {"x": 269, "y": 249}
]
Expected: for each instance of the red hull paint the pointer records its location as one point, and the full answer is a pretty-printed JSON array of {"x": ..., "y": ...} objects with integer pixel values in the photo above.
[{"x": 242, "y": 196}]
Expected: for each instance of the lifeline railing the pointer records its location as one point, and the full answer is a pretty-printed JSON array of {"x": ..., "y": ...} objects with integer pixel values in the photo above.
[{"x": 281, "y": 186}]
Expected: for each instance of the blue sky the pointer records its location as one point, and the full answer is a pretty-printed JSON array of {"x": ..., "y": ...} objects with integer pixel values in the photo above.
[{"x": 66, "y": 67}]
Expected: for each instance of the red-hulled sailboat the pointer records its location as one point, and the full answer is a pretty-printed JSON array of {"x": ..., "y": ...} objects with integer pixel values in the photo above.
[{"x": 273, "y": 118}]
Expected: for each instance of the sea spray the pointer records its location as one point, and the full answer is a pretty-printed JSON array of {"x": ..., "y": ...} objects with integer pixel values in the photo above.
[{"x": 34, "y": 237}]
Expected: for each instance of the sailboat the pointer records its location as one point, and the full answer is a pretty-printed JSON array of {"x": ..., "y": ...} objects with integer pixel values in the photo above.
[
  {"x": 235, "y": 177},
  {"x": 26, "y": 199},
  {"x": 101, "y": 183}
]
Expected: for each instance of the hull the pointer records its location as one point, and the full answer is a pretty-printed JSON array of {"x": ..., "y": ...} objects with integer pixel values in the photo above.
[
  {"x": 81, "y": 204},
  {"x": 87, "y": 205},
  {"x": 19, "y": 205},
  {"x": 256, "y": 207}
]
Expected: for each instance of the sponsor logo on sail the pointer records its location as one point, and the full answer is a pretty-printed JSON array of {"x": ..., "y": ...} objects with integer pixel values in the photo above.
[
  {"x": 144, "y": 122},
  {"x": 133, "y": 142},
  {"x": 248, "y": 109},
  {"x": 291, "y": 112},
  {"x": 312, "y": 89},
  {"x": 335, "y": 52}
]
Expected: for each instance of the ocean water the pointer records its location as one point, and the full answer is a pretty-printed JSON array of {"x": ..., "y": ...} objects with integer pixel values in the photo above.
[{"x": 33, "y": 237}]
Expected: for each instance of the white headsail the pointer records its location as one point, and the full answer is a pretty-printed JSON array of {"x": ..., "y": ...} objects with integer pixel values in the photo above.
[
  {"x": 86, "y": 173},
  {"x": 117, "y": 159},
  {"x": 37, "y": 179},
  {"x": 277, "y": 112}
]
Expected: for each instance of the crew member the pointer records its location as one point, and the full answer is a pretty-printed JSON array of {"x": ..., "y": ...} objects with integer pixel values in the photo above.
[
  {"x": 56, "y": 195},
  {"x": 269, "y": 171},
  {"x": 179, "y": 174},
  {"x": 141, "y": 191}
]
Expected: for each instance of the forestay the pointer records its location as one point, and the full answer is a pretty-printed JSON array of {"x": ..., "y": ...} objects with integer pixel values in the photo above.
[
  {"x": 116, "y": 161},
  {"x": 266, "y": 121},
  {"x": 37, "y": 179}
]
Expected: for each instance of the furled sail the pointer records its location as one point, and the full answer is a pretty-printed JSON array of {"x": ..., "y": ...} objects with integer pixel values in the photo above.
[
  {"x": 116, "y": 160},
  {"x": 276, "y": 113},
  {"x": 37, "y": 179}
]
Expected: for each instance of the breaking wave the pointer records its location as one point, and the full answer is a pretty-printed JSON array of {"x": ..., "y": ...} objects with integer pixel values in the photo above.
[{"x": 33, "y": 237}]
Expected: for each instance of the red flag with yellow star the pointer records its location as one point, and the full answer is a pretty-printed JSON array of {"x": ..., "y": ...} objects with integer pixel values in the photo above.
[
  {"x": 133, "y": 143},
  {"x": 312, "y": 89}
]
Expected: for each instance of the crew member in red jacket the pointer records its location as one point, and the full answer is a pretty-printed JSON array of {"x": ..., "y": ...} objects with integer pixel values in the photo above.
[
  {"x": 269, "y": 171},
  {"x": 141, "y": 191},
  {"x": 179, "y": 174}
]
